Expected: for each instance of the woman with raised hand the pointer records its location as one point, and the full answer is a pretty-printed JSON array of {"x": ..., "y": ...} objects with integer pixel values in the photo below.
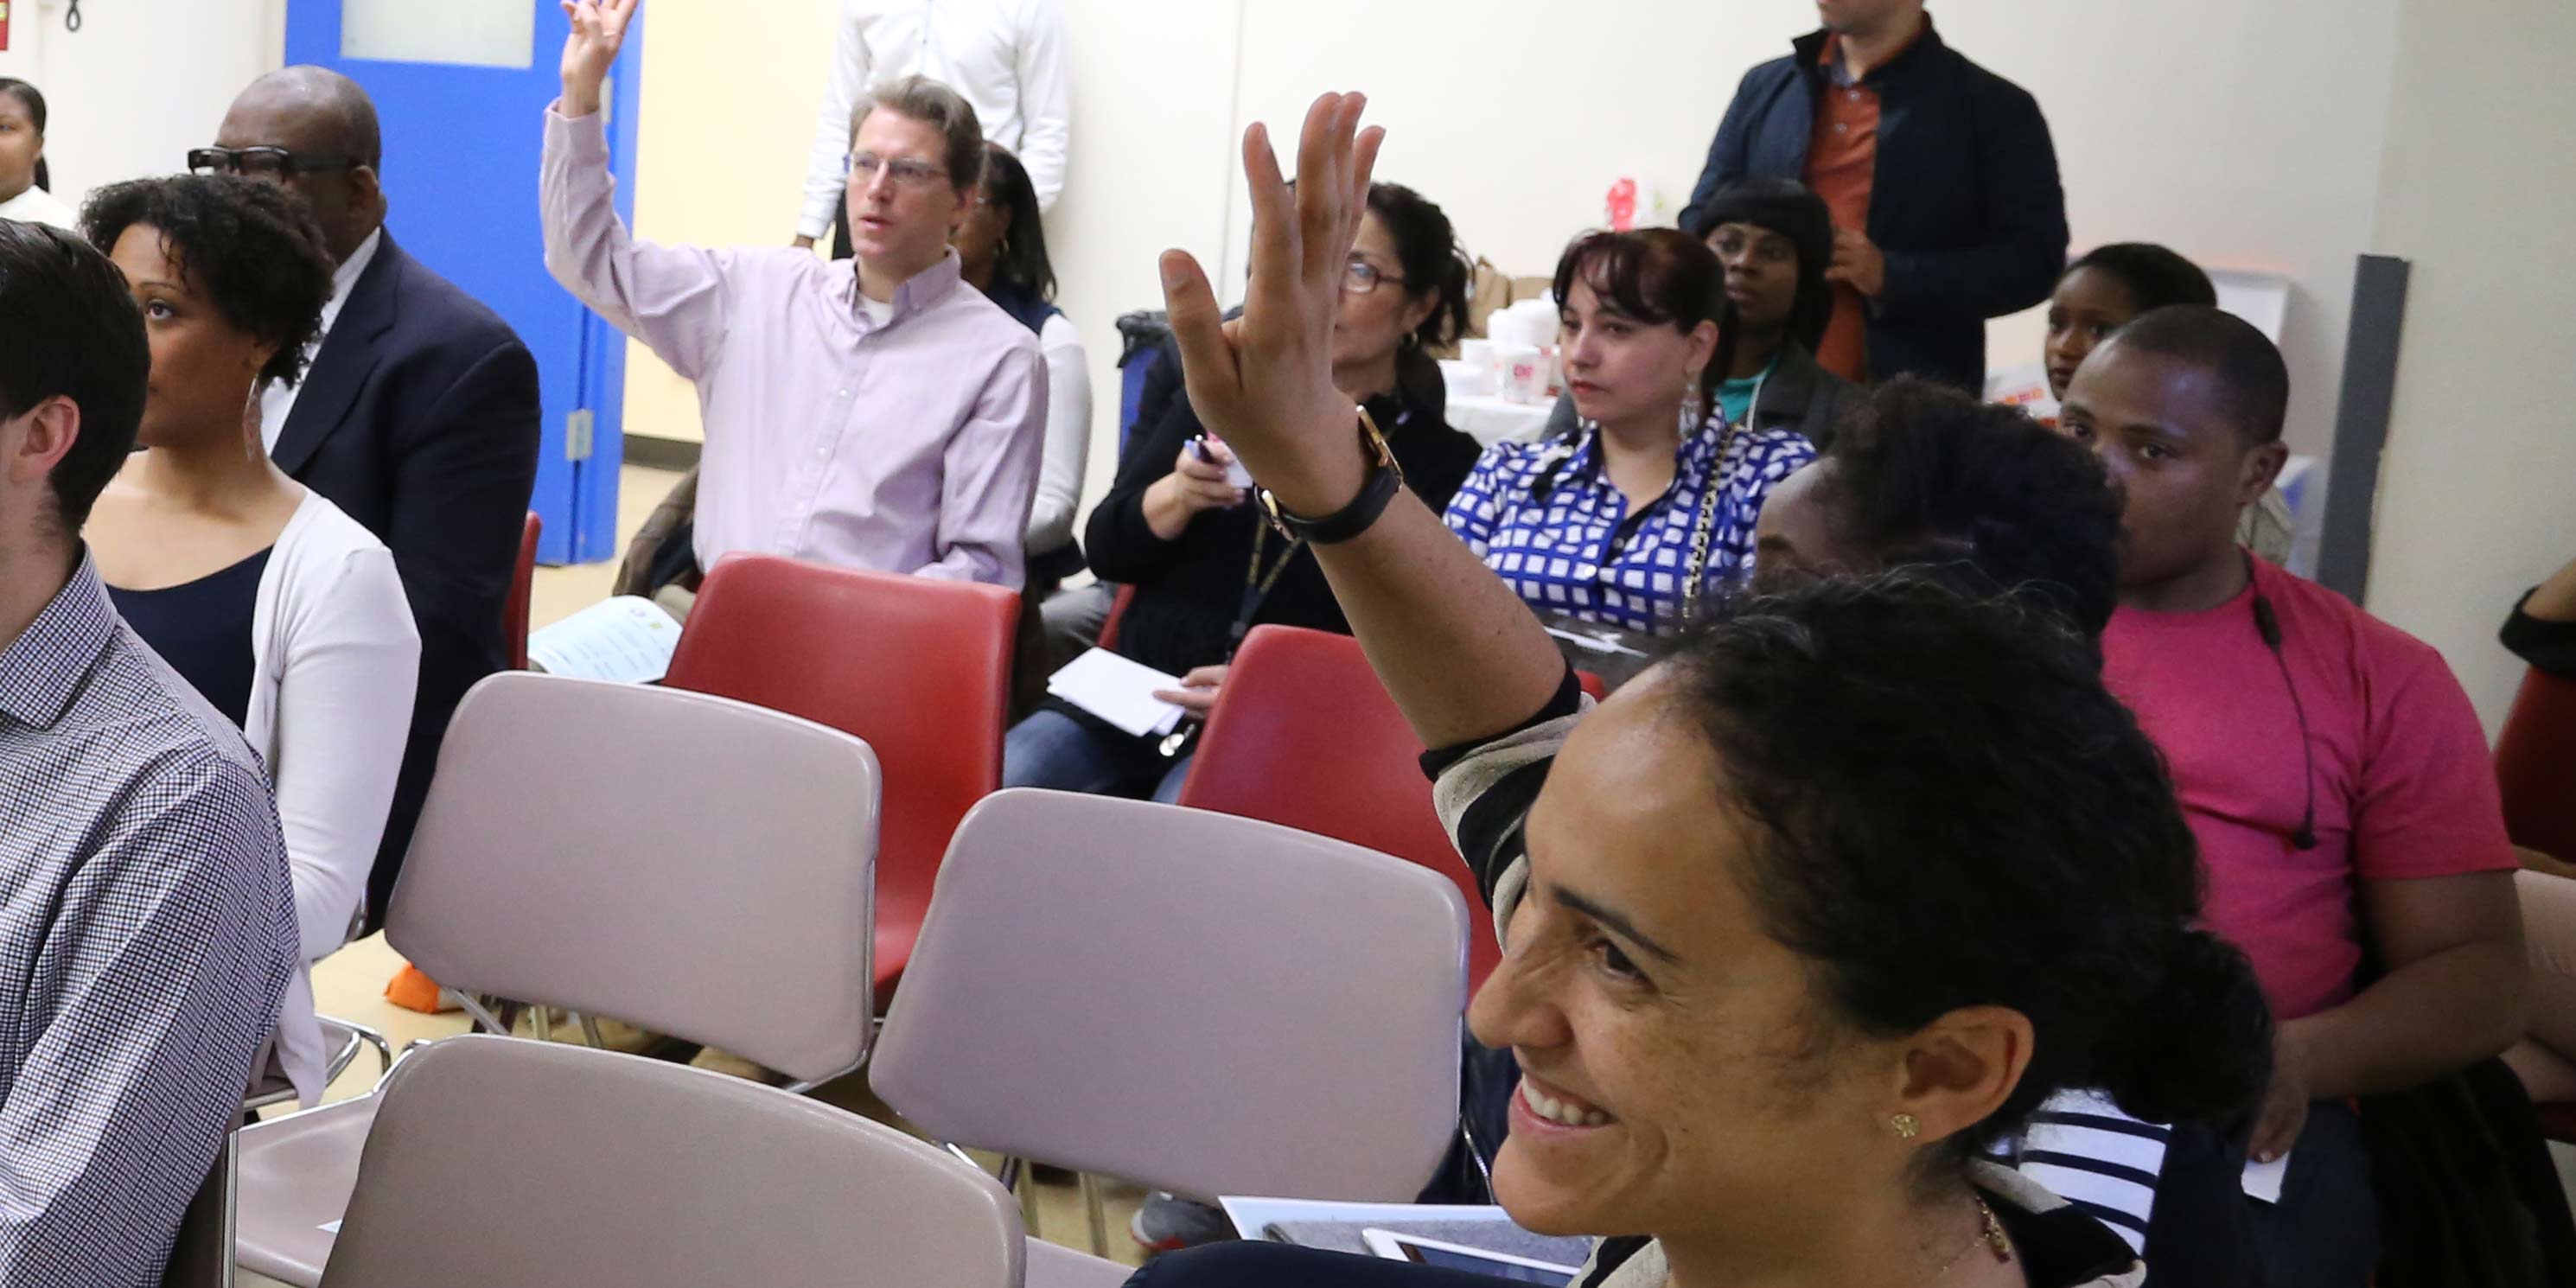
[{"x": 1795, "y": 924}]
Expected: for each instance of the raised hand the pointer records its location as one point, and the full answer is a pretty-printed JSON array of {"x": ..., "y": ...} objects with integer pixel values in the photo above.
[
  {"x": 1264, "y": 382},
  {"x": 590, "y": 49}
]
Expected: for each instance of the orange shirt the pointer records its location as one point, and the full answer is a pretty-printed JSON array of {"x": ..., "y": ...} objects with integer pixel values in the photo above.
[{"x": 1842, "y": 159}]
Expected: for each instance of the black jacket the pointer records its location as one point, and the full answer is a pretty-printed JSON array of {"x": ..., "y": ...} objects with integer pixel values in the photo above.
[
  {"x": 1188, "y": 591},
  {"x": 419, "y": 418},
  {"x": 1798, "y": 396},
  {"x": 1965, "y": 202}
]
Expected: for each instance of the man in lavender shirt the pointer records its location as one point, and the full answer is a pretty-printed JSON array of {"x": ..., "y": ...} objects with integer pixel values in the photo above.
[{"x": 875, "y": 412}]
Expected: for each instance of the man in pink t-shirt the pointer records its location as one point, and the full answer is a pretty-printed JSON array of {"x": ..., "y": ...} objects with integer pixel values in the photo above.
[{"x": 2330, "y": 765}]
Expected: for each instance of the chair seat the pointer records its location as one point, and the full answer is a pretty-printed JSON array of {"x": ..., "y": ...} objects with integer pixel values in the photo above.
[
  {"x": 296, "y": 1176},
  {"x": 1053, "y": 1265}
]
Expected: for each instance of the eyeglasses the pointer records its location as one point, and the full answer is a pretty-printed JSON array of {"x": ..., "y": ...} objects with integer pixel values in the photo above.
[
  {"x": 1359, "y": 277},
  {"x": 261, "y": 163},
  {"x": 907, "y": 172}
]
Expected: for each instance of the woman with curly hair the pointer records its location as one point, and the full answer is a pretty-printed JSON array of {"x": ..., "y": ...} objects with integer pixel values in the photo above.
[{"x": 280, "y": 610}]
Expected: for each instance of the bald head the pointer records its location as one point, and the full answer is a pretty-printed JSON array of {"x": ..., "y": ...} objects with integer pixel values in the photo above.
[{"x": 323, "y": 117}]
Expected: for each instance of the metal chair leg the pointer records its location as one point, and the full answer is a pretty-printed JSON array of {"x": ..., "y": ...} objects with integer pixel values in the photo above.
[
  {"x": 590, "y": 1033},
  {"x": 1098, "y": 1212},
  {"x": 1027, "y": 1185},
  {"x": 543, "y": 1018}
]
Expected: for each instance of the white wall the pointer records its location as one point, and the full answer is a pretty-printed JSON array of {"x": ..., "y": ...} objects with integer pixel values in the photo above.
[
  {"x": 2244, "y": 134},
  {"x": 142, "y": 81},
  {"x": 2478, "y": 489}
]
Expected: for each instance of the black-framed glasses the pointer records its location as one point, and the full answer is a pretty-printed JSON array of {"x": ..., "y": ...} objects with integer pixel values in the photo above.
[
  {"x": 261, "y": 163},
  {"x": 1359, "y": 277},
  {"x": 907, "y": 172}
]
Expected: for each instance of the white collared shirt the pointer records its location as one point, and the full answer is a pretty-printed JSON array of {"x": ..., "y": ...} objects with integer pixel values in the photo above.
[
  {"x": 276, "y": 401},
  {"x": 1006, "y": 57}
]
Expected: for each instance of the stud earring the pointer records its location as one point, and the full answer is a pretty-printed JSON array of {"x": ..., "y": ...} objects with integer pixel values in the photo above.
[{"x": 1906, "y": 1125}]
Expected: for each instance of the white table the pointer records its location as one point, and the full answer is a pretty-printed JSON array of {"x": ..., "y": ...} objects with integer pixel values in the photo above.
[{"x": 1491, "y": 420}]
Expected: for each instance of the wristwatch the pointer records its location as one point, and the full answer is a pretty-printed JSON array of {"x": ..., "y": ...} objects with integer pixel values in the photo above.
[{"x": 1385, "y": 476}]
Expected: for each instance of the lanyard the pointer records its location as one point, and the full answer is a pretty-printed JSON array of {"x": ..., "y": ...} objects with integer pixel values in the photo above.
[{"x": 1257, "y": 584}]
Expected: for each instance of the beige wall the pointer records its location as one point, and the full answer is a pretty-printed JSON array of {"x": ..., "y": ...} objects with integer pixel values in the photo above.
[
  {"x": 727, "y": 112},
  {"x": 2478, "y": 490}
]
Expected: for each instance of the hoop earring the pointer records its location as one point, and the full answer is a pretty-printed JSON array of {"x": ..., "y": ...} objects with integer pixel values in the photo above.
[{"x": 1693, "y": 414}]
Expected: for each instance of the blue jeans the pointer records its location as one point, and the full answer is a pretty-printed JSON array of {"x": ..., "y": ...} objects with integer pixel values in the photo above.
[{"x": 1052, "y": 749}]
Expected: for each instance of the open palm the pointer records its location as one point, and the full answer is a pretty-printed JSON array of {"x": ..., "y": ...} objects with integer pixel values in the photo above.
[{"x": 590, "y": 49}]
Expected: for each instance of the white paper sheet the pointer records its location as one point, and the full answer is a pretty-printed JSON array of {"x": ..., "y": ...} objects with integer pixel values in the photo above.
[
  {"x": 2263, "y": 1180},
  {"x": 626, "y": 640},
  {"x": 1118, "y": 691},
  {"x": 1252, "y": 1215}
]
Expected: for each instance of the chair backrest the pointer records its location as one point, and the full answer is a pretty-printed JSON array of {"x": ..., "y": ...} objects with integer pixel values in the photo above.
[
  {"x": 2535, "y": 756},
  {"x": 1117, "y": 613},
  {"x": 502, "y": 1161},
  {"x": 1303, "y": 734},
  {"x": 919, "y": 668},
  {"x": 202, "y": 1255},
  {"x": 689, "y": 864},
  {"x": 1204, "y": 1003},
  {"x": 523, "y": 581}
]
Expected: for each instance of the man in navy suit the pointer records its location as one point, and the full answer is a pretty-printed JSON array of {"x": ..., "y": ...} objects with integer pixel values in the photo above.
[{"x": 418, "y": 416}]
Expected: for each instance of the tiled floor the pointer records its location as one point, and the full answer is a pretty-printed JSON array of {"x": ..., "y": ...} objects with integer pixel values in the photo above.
[{"x": 350, "y": 983}]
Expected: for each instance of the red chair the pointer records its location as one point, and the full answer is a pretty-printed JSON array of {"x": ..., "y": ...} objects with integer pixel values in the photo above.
[
  {"x": 1117, "y": 611},
  {"x": 919, "y": 668},
  {"x": 2536, "y": 765},
  {"x": 523, "y": 580},
  {"x": 1304, "y": 735}
]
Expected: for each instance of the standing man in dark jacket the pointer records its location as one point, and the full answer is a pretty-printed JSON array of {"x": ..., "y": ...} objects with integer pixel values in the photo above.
[
  {"x": 1940, "y": 175},
  {"x": 418, "y": 416}
]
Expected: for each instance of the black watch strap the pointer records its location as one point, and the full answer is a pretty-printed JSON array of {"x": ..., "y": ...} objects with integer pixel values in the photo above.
[
  {"x": 1351, "y": 520},
  {"x": 1385, "y": 476}
]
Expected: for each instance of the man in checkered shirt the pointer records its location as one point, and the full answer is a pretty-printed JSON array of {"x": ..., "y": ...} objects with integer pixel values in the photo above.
[{"x": 146, "y": 924}]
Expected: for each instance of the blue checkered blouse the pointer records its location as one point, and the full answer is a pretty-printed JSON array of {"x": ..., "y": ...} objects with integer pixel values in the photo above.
[{"x": 1547, "y": 518}]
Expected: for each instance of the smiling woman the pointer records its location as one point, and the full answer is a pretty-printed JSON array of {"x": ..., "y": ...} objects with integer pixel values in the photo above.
[{"x": 1795, "y": 924}]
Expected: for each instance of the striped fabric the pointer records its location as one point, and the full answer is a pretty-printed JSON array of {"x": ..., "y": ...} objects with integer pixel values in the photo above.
[{"x": 2083, "y": 1149}]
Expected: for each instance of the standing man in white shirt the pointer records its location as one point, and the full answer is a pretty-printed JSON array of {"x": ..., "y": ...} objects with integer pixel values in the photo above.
[{"x": 1006, "y": 57}]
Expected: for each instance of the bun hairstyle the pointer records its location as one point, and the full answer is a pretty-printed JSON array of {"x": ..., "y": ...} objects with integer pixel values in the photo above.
[
  {"x": 1660, "y": 277},
  {"x": 1953, "y": 812},
  {"x": 1924, "y": 474},
  {"x": 1426, "y": 247}
]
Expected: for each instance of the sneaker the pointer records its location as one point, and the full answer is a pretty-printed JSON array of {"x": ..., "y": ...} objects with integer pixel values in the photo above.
[{"x": 1165, "y": 1222}]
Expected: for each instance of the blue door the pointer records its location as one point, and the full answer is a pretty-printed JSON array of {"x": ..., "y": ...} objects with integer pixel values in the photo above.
[{"x": 463, "y": 129}]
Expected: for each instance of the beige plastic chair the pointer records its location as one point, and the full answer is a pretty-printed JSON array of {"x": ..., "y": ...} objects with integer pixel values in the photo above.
[
  {"x": 498, "y": 1162},
  {"x": 1199, "y": 1002},
  {"x": 689, "y": 864}
]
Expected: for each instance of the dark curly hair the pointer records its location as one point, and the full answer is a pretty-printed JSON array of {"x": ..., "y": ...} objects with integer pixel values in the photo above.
[
  {"x": 1953, "y": 812},
  {"x": 251, "y": 248},
  {"x": 1923, "y": 474}
]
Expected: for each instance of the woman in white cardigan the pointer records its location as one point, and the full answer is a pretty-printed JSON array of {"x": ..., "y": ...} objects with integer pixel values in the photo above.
[{"x": 283, "y": 612}]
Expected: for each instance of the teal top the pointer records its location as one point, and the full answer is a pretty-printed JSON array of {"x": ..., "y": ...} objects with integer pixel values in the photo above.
[{"x": 1735, "y": 397}]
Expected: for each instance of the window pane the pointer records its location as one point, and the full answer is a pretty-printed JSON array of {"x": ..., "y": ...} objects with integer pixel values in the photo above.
[{"x": 477, "y": 33}]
